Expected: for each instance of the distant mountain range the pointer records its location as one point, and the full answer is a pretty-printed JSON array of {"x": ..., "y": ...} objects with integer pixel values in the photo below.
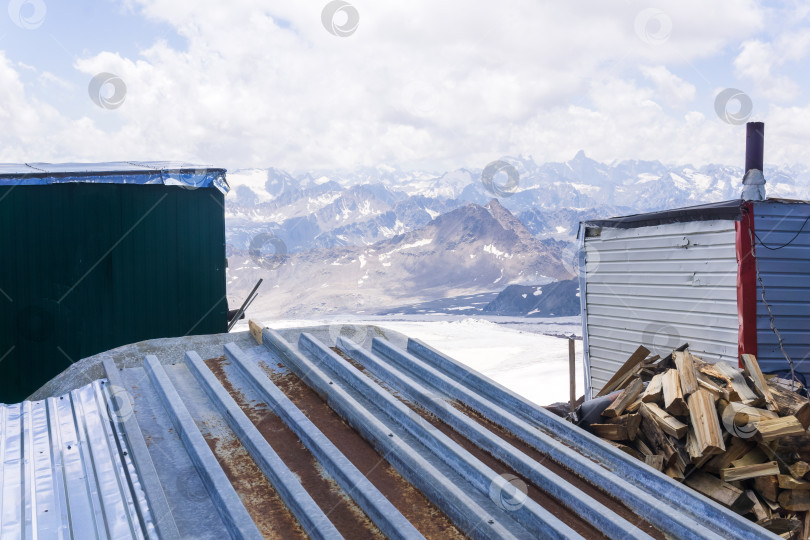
[
  {"x": 466, "y": 250},
  {"x": 375, "y": 238}
]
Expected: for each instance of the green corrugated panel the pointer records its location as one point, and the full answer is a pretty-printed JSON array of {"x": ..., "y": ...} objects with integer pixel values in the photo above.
[{"x": 85, "y": 268}]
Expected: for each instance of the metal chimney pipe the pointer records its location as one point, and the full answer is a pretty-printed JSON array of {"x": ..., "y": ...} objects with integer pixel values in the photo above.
[
  {"x": 753, "y": 180},
  {"x": 754, "y": 145}
]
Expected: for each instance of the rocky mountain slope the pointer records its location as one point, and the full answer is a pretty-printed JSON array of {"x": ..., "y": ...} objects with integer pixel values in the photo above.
[
  {"x": 469, "y": 249},
  {"x": 557, "y": 299}
]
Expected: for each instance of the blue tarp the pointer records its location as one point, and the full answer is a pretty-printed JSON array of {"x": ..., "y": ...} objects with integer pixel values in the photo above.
[{"x": 129, "y": 172}]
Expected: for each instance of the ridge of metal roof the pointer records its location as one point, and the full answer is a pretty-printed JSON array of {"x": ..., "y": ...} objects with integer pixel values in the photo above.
[
  {"x": 725, "y": 210},
  {"x": 327, "y": 440},
  {"x": 120, "y": 172}
]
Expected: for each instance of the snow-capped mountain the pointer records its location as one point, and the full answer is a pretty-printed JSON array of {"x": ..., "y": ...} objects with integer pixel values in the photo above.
[
  {"x": 381, "y": 237},
  {"x": 325, "y": 209},
  {"x": 466, "y": 250}
]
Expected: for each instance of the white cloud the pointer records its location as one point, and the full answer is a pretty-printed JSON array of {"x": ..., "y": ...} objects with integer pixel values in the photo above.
[
  {"x": 760, "y": 61},
  {"x": 426, "y": 84},
  {"x": 674, "y": 90}
]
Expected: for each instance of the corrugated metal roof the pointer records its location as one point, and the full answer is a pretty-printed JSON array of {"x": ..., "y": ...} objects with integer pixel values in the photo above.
[
  {"x": 704, "y": 212},
  {"x": 66, "y": 469},
  {"x": 122, "y": 172},
  {"x": 310, "y": 437}
]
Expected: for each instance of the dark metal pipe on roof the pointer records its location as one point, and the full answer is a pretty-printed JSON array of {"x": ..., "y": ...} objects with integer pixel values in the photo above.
[{"x": 754, "y": 145}]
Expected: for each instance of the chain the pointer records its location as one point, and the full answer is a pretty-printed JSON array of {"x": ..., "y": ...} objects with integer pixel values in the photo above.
[{"x": 770, "y": 313}]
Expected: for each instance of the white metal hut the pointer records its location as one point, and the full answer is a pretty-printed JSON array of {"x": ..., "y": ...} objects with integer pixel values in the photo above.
[{"x": 727, "y": 278}]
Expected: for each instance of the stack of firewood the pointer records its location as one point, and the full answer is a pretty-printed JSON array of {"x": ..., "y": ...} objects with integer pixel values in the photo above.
[{"x": 737, "y": 436}]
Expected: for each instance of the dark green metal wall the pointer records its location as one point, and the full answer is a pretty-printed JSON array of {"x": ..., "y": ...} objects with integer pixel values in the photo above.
[{"x": 85, "y": 268}]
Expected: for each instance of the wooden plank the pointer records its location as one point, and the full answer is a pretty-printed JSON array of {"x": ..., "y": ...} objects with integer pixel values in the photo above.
[
  {"x": 753, "y": 371},
  {"x": 705, "y": 423},
  {"x": 653, "y": 392},
  {"x": 627, "y": 396},
  {"x": 790, "y": 403},
  {"x": 656, "y": 461},
  {"x": 255, "y": 331},
  {"x": 686, "y": 371},
  {"x": 751, "y": 471},
  {"x": 767, "y": 486},
  {"x": 572, "y": 374},
  {"x": 719, "y": 491},
  {"x": 611, "y": 432},
  {"x": 668, "y": 423},
  {"x": 736, "y": 449},
  {"x": 735, "y": 380},
  {"x": 630, "y": 366},
  {"x": 788, "y": 482},
  {"x": 795, "y": 501},
  {"x": 673, "y": 396},
  {"x": 776, "y": 428}
]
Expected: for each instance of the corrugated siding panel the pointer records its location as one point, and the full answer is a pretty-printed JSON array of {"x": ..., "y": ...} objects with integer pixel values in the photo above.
[
  {"x": 786, "y": 275},
  {"x": 85, "y": 268},
  {"x": 660, "y": 287}
]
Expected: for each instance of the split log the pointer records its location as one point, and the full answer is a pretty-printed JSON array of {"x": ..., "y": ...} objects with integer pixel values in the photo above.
[
  {"x": 673, "y": 396},
  {"x": 739, "y": 390},
  {"x": 795, "y": 501},
  {"x": 776, "y": 428},
  {"x": 750, "y": 471},
  {"x": 736, "y": 449},
  {"x": 653, "y": 392},
  {"x": 657, "y": 439},
  {"x": 753, "y": 371},
  {"x": 790, "y": 403},
  {"x": 675, "y": 472},
  {"x": 630, "y": 367},
  {"x": 633, "y": 407},
  {"x": 626, "y": 449},
  {"x": 611, "y": 432},
  {"x": 767, "y": 486},
  {"x": 668, "y": 423},
  {"x": 788, "y": 482},
  {"x": 715, "y": 390},
  {"x": 642, "y": 447},
  {"x": 799, "y": 469},
  {"x": 754, "y": 457},
  {"x": 786, "y": 528},
  {"x": 686, "y": 371},
  {"x": 705, "y": 424},
  {"x": 623, "y": 399},
  {"x": 759, "y": 510},
  {"x": 656, "y": 461},
  {"x": 719, "y": 491},
  {"x": 630, "y": 422}
]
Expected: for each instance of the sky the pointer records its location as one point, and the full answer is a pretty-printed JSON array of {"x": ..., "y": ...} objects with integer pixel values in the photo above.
[{"x": 309, "y": 85}]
